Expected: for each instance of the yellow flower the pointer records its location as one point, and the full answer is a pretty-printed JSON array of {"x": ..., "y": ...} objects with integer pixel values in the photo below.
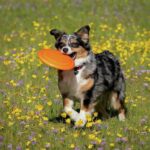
[
  {"x": 76, "y": 135},
  {"x": 29, "y": 101},
  {"x": 7, "y": 62},
  {"x": 27, "y": 126},
  {"x": 45, "y": 118},
  {"x": 42, "y": 89},
  {"x": 39, "y": 107},
  {"x": 47, "y": 78},
  {"x": 83, "y": 133},
  {"x": 91, "y": 136},
  {"x": 28, "y": 143},
  {"x": 49, "y": 103},
  {"x": 98, "y": 140},
  {"x": 68, "y": 121},
  {"x": 111, "y": 144},
  {"x": 6, "y": 53},
  {"x": 6, "y": 102},
  {"x": 90, "y": 146},
  {"x": 89, "y": 124},
  {"x": 35, "y": 24},
  {"x": 8, "y": 39},
  {"x": 79, "y": 123},
  {"x": 95, "y": 114},
  {"x": 98, "y": 121},
  {"x": 32, "y": 39},
  {"x": 16, "y": 111},
  {"x": 57, "y": 96},
  {"x": 119, "y": 135},
  {"x": 34, "y": 76},
  {"x": 88, "y": 117},
  {"x": 12, "y": 82},
  {"x": 62, "y": 130},
  {"x": 72, "y": 146},
  {"x": 28, "y": 86},
  {"x": 64, "y": 115},
  {"x": 10, "y": 123},
  {"x": 134, "y": 105}
]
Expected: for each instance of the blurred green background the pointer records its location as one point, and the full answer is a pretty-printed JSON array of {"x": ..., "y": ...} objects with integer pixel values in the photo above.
[{"x": 29, "y": 96}]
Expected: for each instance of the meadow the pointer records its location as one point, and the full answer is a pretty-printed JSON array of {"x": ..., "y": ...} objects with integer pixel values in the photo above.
[{"x": 29, "y": 97}]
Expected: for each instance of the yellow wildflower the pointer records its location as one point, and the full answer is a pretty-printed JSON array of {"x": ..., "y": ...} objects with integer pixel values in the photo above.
[
  {"x": 62, "y": 130},
  {"x": 83, "y": 133},
  {"x": 79, "y": 123},
  {"x": 72, "y": 146},
  {"x": 10, "y": 123},
  {"x": 91, "y": 136},
  {"x": 89, "y": 124},
  {"x": 76, "y": 135},
  {"x": 98, "y": 121},
  {"x": 49, "y": 103},
  {"x": 34, "y": 76},
  {"x": 39, "y": 107},
  {"x": 119, "y": 135},
  {"x": 28, "y": 143},
  {"x": 90, "y": 146},
  {"x": 111, "y": 144},
  {"x": 88, "y": 117},
  {"x": 68, "y": 121},
  {"x": 64, "y": 115},
  {"x": 45, "y": 118},
  {"x": 95, "y": 114}
]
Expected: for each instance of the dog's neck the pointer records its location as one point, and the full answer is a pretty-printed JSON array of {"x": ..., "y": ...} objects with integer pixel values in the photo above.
[
  {"x": 79, "y": 61},
  {"x": 77, "y": 69},
  {"x": 83, "y": 62}
]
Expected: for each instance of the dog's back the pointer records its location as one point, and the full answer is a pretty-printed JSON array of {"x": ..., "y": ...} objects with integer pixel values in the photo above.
[{"x": 109, "y": 80}]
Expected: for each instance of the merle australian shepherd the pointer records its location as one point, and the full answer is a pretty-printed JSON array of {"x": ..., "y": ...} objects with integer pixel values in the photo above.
[{"x": 97, "y": 80}]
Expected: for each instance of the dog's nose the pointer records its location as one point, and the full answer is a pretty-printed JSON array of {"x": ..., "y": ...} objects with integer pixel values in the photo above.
[{"x": 65, "y": 50}]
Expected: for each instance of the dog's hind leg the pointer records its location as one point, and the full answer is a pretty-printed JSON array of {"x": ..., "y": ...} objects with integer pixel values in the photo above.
[
  {"x": 118, "y": 105},
  {"x": 68, "y": 108}
]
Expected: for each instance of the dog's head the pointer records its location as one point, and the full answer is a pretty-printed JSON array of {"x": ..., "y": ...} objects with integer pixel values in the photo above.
[{"x": 75, "y": 45}]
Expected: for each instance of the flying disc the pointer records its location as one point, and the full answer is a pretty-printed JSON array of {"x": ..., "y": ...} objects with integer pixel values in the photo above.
[{"x": 56, "y": 59}]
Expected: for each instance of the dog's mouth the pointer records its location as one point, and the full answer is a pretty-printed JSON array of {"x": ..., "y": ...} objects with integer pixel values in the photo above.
[{"x": 73, "y": 55}]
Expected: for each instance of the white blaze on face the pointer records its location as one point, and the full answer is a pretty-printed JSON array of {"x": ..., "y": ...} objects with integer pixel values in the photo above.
[
  {"x": 69, "y": 50},
  {"x": 68, "y": 37}
]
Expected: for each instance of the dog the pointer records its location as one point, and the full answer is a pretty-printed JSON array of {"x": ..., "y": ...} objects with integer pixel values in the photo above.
[{"x": 97, "y": 80}]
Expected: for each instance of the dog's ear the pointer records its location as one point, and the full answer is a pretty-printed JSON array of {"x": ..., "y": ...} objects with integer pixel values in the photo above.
[
  {"x": 83, "y": 32},
  {"x": 56, "y": 33}
]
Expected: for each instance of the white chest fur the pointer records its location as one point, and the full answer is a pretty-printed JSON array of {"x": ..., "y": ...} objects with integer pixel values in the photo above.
[
  {"x": 70, "y": 83},
  {"x": 79, "y": 77}
]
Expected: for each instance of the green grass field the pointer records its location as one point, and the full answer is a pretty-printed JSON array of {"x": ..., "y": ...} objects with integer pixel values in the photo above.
[{"x": 29, "y": 97}]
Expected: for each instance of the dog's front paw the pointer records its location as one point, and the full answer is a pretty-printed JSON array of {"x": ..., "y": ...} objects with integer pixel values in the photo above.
[
  {"x": 82, "y": 118},
  {"x": 121, "y": 117},
  {"x": 80, "y": 123}
]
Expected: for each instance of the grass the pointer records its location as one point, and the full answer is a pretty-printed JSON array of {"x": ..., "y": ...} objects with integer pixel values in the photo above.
[{"x": 29, "y": 96}]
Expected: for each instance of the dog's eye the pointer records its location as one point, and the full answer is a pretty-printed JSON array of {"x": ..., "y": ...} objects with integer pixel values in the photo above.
[
  {"x": 74, "y": 45},
  {"x": 61, "y": 45}
]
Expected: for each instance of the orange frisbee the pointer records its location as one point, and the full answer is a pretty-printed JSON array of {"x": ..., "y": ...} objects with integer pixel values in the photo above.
[{"x": 56, "y": 59}]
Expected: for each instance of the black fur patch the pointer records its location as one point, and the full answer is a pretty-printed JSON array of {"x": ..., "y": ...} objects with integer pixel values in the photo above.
[
  {"x": 82, "y": 43},
  {"x": 86, "y": 46},
  {"x": 108, "y": 77}
]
